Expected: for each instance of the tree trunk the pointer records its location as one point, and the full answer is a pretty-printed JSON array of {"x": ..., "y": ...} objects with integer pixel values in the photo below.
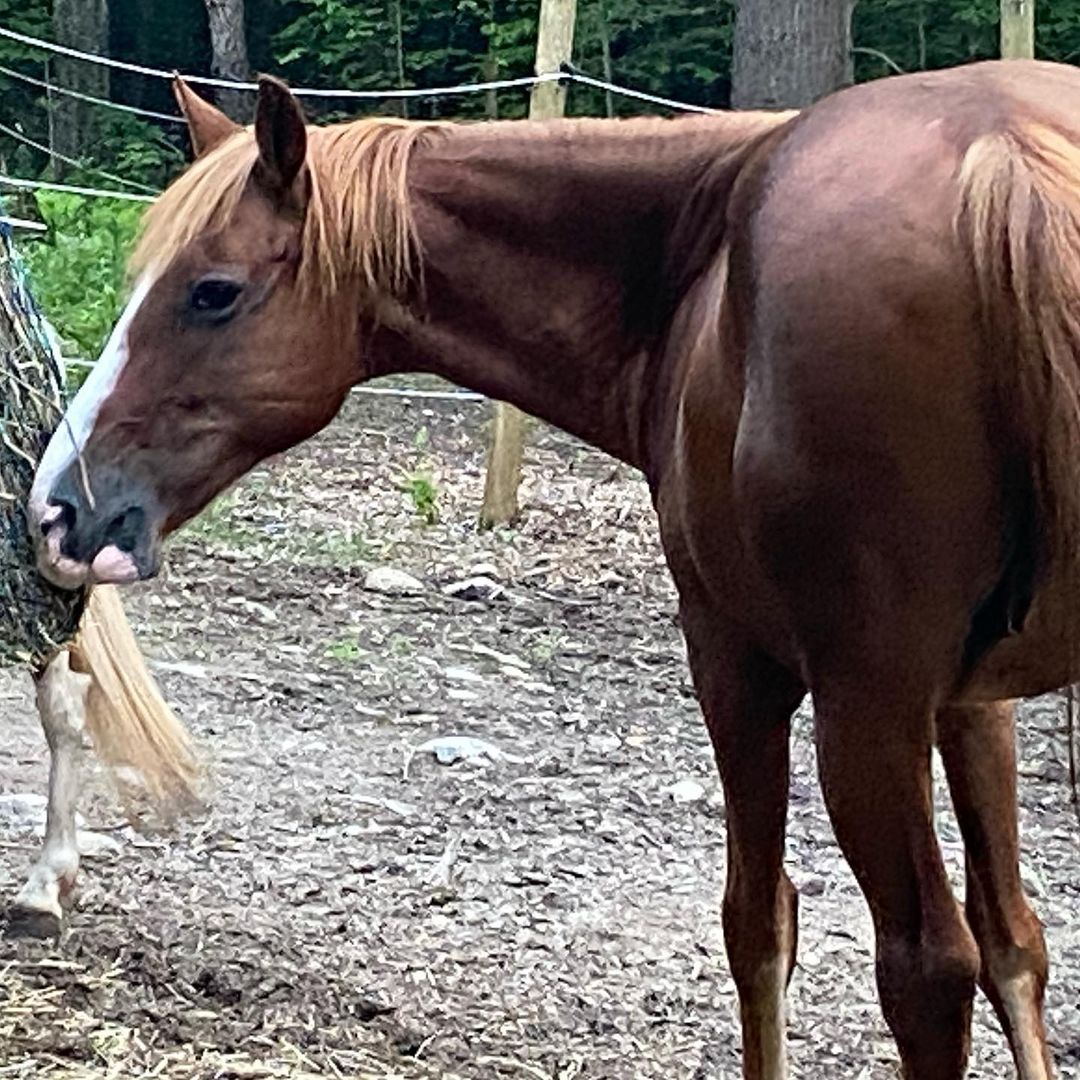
[
  {"x": 84, "y": 25},
  {"x": 789, "y": 53},
  {"x": 399, "y": 54},
  {"x": 489, "y": 70},
  {"x": 922, "y": 37},
  {"x": 1018, "y": 29},
  {"x": 605, "y": 52},
  {"x": 230, "y": 58}
]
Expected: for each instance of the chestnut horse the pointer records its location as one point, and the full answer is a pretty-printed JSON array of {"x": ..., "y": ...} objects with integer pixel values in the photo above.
[{"x": 841, "y": 346}]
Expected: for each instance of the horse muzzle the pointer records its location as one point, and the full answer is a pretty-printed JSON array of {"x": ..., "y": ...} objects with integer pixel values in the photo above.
[{"x": 94, "y": 535}]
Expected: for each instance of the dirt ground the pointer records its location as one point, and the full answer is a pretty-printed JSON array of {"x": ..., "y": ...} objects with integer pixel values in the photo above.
[{"x": 345, "y": 905}]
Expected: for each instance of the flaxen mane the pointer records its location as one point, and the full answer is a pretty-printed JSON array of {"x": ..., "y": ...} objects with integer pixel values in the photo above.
[{"x": 358, "y": 224}]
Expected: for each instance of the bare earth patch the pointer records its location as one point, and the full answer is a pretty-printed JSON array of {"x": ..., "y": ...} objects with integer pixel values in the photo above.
[{"x": 348, "y": 906}]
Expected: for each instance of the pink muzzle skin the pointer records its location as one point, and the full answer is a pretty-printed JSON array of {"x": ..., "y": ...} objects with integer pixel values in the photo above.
[{"x": 110, "y": 566}]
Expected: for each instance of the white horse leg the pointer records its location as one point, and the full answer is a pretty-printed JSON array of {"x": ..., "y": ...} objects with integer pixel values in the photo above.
[{"x": 61, "y": 702}]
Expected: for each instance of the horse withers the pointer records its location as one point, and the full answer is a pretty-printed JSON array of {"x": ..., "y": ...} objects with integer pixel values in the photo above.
[{"x": 846, "y": 363}]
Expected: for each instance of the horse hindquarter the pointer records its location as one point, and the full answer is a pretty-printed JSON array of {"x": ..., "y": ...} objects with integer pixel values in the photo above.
[{"x": 868, "y": 491}]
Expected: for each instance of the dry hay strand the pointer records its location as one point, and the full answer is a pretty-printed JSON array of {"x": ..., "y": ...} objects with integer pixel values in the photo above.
[
  {"x": 133, "y": 729},
  {"x": 44, "y": 1035}
]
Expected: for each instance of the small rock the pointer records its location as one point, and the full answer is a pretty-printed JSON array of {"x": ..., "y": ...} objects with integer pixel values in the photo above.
[
  {"x": 387, "y": 579},
  {"x": 475, "y": 588},
  {"x": 484, "y": 569},
  {"x": 539, "y": 688},
  {"x": 686, "y": 791},
  {"x": 457, "y": 693},
  {"x": 450, "y": 749},
  {"x": 94, "y": 845},
  {"x": 603, "y": 744},
  {"x": 462, "y": 674}
]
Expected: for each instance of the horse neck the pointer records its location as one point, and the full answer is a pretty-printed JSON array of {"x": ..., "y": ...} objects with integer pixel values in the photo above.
[{"x": 551, "y": 264}]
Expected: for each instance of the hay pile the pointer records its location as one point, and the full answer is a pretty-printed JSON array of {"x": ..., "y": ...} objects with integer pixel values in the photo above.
[
  {"x": 134, "y": 731},
  {"x": 61, "y": 1020},
  {"x": 35, "y": 618}
]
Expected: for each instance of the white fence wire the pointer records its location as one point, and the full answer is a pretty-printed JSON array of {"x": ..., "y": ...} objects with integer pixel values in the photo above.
[{"x": 54, "y": 48}]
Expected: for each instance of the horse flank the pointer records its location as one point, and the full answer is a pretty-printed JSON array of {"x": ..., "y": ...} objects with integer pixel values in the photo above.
[{"x": 358, "y": 220}]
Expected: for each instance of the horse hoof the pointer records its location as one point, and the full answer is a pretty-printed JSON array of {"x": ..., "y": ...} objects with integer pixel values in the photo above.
[{"x": 26, "y": 922}]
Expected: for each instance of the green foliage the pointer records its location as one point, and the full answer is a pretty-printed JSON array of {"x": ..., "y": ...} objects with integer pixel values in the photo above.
[
  {"x": 346, "y": 650},
  {"x": 222, "y": 524},
  {"x": 135, "y": 150},
  {"x": 338, "y": 36},
  {"x": 77, "y": 268},
  {"x": 918, "y": 34},
  {"x": 679, "y": 49},
  {"x": 424, "y": 494}
]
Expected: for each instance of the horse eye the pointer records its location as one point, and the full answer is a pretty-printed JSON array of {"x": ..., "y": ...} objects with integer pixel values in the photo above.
[{"x": 214, "y": 296}]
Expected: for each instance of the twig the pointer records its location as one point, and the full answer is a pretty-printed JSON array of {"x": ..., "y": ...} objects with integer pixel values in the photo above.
[{"x": 879, "y": 55}]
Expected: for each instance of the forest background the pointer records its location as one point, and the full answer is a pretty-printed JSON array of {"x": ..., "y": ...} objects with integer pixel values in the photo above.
[{"x": 681, "y": 49}]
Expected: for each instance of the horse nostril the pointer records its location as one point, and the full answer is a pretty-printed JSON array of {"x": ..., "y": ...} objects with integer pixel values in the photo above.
[
  {"x": 60, "y": 512},
  {"x": 125, "y": 528}
]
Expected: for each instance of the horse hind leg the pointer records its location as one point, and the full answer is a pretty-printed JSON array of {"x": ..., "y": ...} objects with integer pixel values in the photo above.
[
  {"x": 748, "y": 702},
  {"x": 61, "y": 701},
  {"x": 874, "y": 759},
  {"x": 978, "y": 747}
]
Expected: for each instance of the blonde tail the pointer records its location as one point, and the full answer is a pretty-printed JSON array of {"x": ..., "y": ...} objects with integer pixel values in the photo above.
[{"x": 134, "y": 731}]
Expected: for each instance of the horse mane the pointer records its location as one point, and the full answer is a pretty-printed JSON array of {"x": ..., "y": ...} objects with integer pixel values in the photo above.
[{"x": 358, "y": 221}]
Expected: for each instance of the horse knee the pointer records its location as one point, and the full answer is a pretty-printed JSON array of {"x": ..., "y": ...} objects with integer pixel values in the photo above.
[
  {"x": 1011, "y": 941},
  {"x": 760, "y": 929},
  {"x": 948, "y": 967},
  {"x": 1022, "y": 951},
  {"x": 927, "y": 988}
]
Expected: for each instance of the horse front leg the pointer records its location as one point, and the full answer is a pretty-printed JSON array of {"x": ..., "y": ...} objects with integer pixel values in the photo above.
[
  {"x": 748, "y": 702},
  {"x": 978, "y": 747},
  {"x": 61, "y": 701}
]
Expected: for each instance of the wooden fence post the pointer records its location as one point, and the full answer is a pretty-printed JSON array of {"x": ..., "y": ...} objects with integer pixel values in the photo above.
[
  {"x": 554, "y": 45},
  {"x": 1018, "y": 29}
]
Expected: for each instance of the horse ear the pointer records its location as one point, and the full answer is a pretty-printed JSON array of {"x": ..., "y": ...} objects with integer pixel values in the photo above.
[
  {"x": 281, "y": 133},
  {"x": 208, "y": 127}
]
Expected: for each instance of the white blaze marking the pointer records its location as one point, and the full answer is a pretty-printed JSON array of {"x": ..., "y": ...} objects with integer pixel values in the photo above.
[{"x": 70, "y": 437}]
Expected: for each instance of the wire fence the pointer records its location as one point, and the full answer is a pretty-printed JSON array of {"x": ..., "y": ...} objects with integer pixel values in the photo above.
[
  {"x": 408, "y": 393},
  {"x": 72, "y": 189},
  {"x": 18, "y": 136},
  {"x": 105, "y": 103},
  {"x": 300, "y": 91},
  {"x": 567, "y": 75}
]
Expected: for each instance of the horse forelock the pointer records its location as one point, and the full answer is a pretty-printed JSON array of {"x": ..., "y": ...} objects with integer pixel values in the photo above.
[{"x": 358, "y": 225}]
